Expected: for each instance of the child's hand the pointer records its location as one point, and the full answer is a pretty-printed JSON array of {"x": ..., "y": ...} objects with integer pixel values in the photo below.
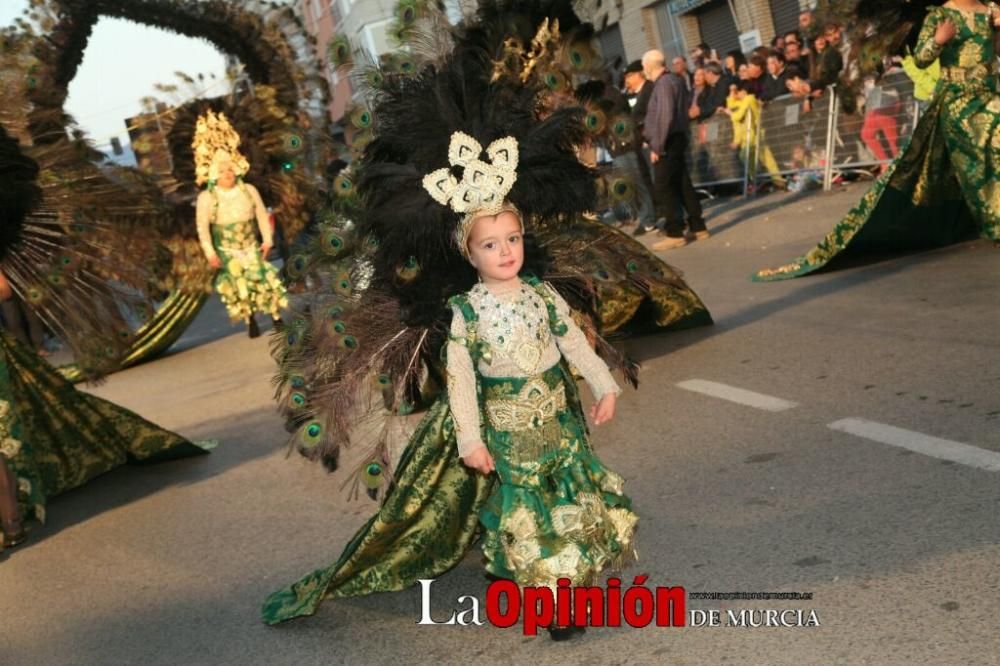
[
  {"x": 481, "y": 460},
  {"x": 604, "y": 409},
  {"x": 215, "y": 262}
]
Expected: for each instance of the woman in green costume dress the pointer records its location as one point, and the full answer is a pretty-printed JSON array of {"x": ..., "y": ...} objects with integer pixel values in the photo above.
[
  {"x": 226, "y": 214},
  {"x": 52, "y": 437},
  {"x": 945, "y": 184}
]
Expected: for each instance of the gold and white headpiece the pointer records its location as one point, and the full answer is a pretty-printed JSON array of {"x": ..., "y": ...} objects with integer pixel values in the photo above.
[
  {"x": 216, "y": 143},
  {"x": 484, "y": 186}
]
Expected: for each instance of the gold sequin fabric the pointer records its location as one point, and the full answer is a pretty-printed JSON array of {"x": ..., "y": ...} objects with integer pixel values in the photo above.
[
  {"x": 246, "y": 282},
  {"x": 945, "y": 184}
]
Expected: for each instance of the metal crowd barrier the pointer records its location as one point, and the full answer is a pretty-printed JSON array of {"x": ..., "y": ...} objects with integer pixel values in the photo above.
[{"x": 809, "y": 148}]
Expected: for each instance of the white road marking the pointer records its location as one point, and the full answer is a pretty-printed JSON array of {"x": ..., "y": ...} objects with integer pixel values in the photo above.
[
  {"x": 740, "y": 396},
  {"x": 945, "y": 449}
]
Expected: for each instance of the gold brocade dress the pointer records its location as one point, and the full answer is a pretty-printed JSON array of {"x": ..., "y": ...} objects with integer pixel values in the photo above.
[
  {"x": 247, "y": 283},
  {"x": 945, "y": 184},
  {"x": 551, "y": 509},
  {"x": 55, "y": 438}
]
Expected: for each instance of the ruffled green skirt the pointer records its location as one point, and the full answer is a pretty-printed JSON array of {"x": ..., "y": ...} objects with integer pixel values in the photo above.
[
  {"x": 247, "y": 283},
  {"x": 438, "y": 506},
  {"x": 557, "y": 511}
]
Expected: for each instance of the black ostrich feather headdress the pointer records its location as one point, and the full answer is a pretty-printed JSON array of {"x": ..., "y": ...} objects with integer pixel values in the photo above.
[{"x": 417, "y": 118}]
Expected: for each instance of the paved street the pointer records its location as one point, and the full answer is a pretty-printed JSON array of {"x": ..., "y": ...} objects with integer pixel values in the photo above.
[{"x": 739, "y": 479}]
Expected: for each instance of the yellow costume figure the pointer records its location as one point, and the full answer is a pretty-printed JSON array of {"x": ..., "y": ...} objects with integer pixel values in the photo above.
[
  {"x": 745, "y": 114},
  {"x": 226, "y": 212}
]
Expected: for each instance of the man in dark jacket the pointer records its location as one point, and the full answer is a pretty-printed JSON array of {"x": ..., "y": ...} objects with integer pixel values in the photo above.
[
  {"x": 666, "y": 132},
  {"x": 713, "y": 97},
  {"x": 636, "y": 162},
  {"x": 776, "y": 79}
]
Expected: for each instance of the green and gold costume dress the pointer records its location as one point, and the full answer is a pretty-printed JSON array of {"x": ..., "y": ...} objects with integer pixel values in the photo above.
[
  {"x": 247, "y": 283},
  {"x": 551, "y": 510},
  {"x": 945, "y": 184},
  {"x": 56, "y": 438}
]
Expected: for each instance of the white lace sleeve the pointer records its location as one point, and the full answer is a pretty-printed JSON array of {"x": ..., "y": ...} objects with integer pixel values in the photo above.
[
  {"x": 577, "y": 350},
  {"x": 203, "y": 218},
  {"x": 462, "y": 389}
]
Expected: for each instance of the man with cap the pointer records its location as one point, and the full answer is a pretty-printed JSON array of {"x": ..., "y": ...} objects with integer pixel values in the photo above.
[{"x": 635, "y": 161}]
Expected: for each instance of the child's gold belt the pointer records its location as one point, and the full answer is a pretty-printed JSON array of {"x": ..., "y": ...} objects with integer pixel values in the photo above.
[{"x": 534, "y": 405}]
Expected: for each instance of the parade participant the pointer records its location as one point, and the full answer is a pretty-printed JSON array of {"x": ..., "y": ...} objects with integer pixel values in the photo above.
[
  {"x": 453, "y": 192},
  {"x": 52, "y": 437},
  {"x": 226, "y": 212},
  {"x": 943, "y": 185}
]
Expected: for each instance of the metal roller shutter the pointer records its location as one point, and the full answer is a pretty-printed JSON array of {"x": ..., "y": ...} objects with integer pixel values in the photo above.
[
  {"x": 718, "y": 30},
  {"x": 612, "y": 47},
  {"x": 786, "y": 15}
]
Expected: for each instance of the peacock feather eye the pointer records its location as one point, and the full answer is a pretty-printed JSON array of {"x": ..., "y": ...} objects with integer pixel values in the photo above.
[
  {"x": 343, "y": 185},
  {"x": 622, "y": 127},
  {"x": 372, "y": 476},
  {"x": 334, "y": 312},
  {"x": 297, "y": 400},
  {"x": 632, "y": 266},
  {"x": 408, "y": 270},
  {"x": 293, "y": 143},
  {"x": 375, "y": 78},
  {"x": 311, "y": 434},
  {"x": 596, "y": 121},
  {"x": 349, "y": 342},
  {"x": 622, "y": 189},
  {"x": 383, "y": 381},
  {"x": 332, "y": 242},
  {"x": 297, "y": 381},
  {"x": 362, "y": 117},
  {"x": 339, "y": 51},
  {"x": 343, "y": 285}
]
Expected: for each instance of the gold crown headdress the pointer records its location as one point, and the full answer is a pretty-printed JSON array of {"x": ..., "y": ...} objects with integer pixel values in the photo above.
[
  {"x": 216, "y": 143},
  {"x": 484, "y": 185}
]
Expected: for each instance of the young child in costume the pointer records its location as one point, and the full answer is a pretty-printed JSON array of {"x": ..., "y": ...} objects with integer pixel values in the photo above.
[
  {"x": 460, "y": 167},
  {"x": 557, "y": 511},
  {"x": 226, "y": 212}
]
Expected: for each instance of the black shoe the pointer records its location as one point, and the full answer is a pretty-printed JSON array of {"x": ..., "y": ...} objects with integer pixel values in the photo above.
[
  {"x": 559, "y": 634},
  {"x": 277, "y": 322},
  {"x": 252, "y": 329},
  {"x": 639, "y": 230}
]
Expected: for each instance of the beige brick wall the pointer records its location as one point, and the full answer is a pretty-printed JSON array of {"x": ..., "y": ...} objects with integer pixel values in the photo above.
[
  {"x": 637, "y": 21},
  {"x": 756, "y": 15},
  {"x": 690, "y": 30}
]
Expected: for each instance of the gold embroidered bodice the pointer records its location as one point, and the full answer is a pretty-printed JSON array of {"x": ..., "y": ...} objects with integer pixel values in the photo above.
[{"x": 515, "y": 325}]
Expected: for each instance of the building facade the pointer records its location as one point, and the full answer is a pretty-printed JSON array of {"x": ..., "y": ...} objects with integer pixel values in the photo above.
[
  {"x": 366, "y": 23},
  {"x": 629, "y": 28}
]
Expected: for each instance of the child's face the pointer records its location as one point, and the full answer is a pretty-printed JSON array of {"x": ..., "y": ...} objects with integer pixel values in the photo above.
[{"x": 496, "y": 247}]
